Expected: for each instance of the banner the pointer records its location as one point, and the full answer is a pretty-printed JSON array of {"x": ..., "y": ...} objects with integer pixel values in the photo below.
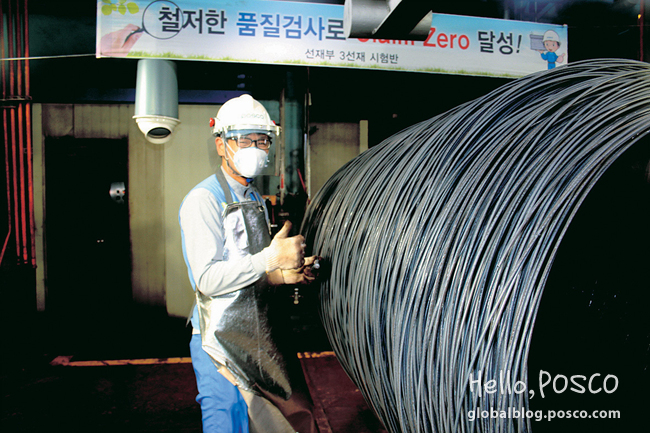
[{"x": 295, "y": 33}]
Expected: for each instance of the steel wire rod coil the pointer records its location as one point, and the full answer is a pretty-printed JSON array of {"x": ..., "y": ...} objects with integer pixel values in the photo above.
[{"x": 440, "y": 239}]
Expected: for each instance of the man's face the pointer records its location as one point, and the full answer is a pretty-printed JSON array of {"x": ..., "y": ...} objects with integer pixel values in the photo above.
[{"x": 551, "y": 46}]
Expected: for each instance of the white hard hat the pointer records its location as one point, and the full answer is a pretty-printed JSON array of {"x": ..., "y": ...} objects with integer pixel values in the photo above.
[
  {"x": 243, "y": 115},
  {"x": 550, "y": 35}
]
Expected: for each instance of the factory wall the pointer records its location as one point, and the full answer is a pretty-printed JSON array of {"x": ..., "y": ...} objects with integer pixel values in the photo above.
[
  {"x": 159, "y": 176},
  {"x": 186, "y": 164},
  {"x": 331, "y": 146}
]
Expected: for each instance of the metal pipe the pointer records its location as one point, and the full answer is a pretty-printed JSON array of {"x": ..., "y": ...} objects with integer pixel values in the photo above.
[
  {"x": 17, "y": 134},
  {"x": 12, "y": 127},
  {"x": 2, "y": 53},
  {"x": 10, "y": 45},
  {"x": 14, "y": 169},
  {"x": 26, "y": 181},
  {"x": 28, "y": 140},
  {"x": 30, "y": 189},
  {"x": 27, "y": 83},
  {"x": 21, "y": 139},
  {"x": 23, "y": 179},
  {"x": 6, "y": 141},
  {"x": 30, "y": 157}
]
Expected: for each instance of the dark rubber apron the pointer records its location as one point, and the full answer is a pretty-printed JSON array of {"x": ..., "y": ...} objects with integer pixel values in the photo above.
[{"x": 242, "y": 329}]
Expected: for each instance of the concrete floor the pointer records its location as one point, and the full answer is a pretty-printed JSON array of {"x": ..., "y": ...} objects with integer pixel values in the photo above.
[
  {"x": 50, "y": 379},
  {"x": 39, "y": 396}
]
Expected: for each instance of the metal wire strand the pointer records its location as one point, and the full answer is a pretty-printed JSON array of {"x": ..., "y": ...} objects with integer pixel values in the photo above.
[{"x": 440, "y": 239}]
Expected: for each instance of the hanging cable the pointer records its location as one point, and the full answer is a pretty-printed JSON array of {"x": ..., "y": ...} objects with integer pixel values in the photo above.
[{"x": 440, "y": 239}]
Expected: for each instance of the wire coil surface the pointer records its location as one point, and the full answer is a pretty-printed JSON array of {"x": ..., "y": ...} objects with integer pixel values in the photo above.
[{"x": 440, "y": 239}]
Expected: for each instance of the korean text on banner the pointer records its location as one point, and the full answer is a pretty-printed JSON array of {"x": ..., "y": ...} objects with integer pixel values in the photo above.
[{"x": 278, "y": 32}]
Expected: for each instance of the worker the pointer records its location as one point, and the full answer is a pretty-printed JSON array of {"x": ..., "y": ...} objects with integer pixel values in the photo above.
[{"x": 231, "y": 259}]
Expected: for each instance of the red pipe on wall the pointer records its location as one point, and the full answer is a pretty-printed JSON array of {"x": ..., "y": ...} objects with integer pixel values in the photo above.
[
  {"x": 21, "y": 141},
  {"x": 14, "y": 167},
  {"x": 4, "y": 119},
  {"x": 17, "y": 133},
  {"x": 6, "y": 142},
  {"x": 30, "y": 162},
  {"x": 12, "y": 126},
  {"x": 2, "y": 52}
]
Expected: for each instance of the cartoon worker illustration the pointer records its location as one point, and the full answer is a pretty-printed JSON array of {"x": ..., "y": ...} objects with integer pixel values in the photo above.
[{"x": 551, "y": 42}]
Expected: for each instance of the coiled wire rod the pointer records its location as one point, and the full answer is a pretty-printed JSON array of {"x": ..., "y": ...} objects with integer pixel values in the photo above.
[{"x": 440, "y": 239}]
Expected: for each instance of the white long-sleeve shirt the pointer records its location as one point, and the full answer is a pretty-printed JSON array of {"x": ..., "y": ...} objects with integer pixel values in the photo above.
[{"x": 203, "y": 239}]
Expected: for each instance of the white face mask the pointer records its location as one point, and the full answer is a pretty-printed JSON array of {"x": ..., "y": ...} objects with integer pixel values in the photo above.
[{"x": 250, "y": 161}]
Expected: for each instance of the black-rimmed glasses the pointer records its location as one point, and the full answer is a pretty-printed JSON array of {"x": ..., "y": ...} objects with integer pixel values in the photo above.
[{"x": 244, "y": 142}]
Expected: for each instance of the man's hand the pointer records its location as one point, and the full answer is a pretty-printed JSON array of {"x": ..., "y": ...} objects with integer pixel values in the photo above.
[
  {"x": 301, "y": 275},
  {"x": 286, "y": 252}
]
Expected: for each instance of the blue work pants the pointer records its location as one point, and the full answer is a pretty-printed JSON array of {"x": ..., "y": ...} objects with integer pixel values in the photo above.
[{"x": 223, "y": 408}]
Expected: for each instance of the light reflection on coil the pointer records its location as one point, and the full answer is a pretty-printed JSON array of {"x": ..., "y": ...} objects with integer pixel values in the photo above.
[{"x": 439, "y": 240}]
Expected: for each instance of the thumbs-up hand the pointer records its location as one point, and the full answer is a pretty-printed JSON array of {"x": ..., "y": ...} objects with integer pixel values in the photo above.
[{"x": 285, "y": 252}]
